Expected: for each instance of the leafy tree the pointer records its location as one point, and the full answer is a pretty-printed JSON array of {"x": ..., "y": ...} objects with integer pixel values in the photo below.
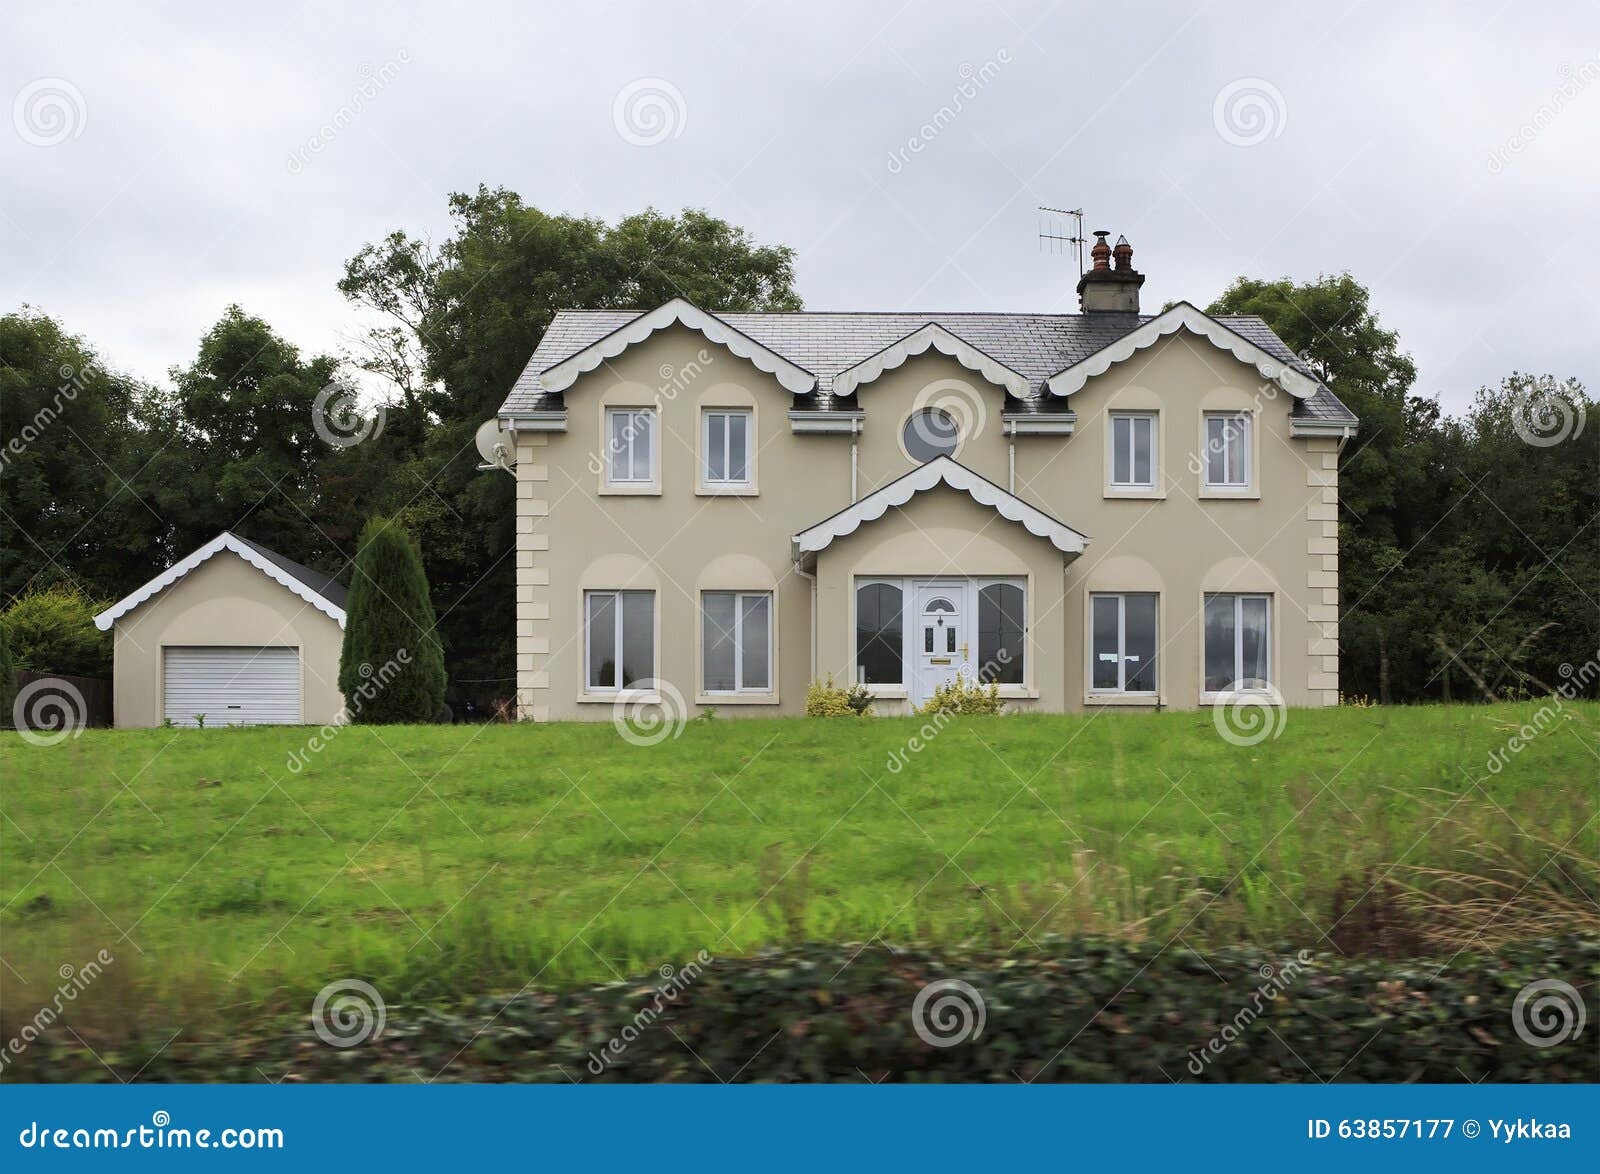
[
  {"x": 391, "y": 668},
  {"x": 73, "y": 495},
  {"x": 8, "y": 679},
  {"x": 1329, "y": 323},
  {"x": 462, "y": 320},
  {"x": 51, "y": 630}
]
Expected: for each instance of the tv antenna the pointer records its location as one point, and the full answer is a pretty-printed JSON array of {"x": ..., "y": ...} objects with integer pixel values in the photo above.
[{"x": 1049, "y": 230}]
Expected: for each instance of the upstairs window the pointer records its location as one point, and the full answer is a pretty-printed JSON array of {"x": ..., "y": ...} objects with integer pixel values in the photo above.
[
  {"x": 630, "y": 446},
  {"x": 725, "y": 444},
  {"x": 1133, "y": 450},
  {"x": 1227, "y": 458}
]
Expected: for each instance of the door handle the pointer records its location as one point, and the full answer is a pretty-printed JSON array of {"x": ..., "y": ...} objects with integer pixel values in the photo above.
[{"x": 963, "y": 651}]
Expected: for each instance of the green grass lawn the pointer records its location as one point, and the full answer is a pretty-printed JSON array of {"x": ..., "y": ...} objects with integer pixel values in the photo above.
[{"x": 441, "y": 861}]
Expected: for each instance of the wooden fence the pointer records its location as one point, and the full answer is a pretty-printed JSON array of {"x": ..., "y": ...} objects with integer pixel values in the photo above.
[{"x": 62, "y": 700}]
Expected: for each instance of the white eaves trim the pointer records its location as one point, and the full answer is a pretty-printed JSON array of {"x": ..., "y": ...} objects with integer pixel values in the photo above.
[
  {"x": 1183, "y": 316},
  {"x": 1054, "y": 424},
  {"x": 1334, "y": 428},
  {"x": 940, "y": 471},
  {"x": 935, "y": 336},
  {"x": 223, "y": 541},
  {"x": 826, "y": 421},
  {"x": 562, "y": 376}
]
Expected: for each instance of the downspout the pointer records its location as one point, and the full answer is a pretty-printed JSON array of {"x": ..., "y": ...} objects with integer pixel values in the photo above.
[
  {"x": 1009, "y": 427},
  {"x": 855, "y": 431},
  {"x": 811, "y": 576}
]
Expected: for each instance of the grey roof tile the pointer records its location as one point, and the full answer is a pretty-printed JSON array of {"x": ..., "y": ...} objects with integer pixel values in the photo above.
[
  {"x": 825, "y": 342},
  {"x": 324, "y": 585}
]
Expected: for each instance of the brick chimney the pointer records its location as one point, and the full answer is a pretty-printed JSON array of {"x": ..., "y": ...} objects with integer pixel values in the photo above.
[{"x": 1105, "y": 289}]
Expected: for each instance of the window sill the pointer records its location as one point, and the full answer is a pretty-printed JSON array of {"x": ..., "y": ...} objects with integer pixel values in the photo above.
[
  {"x": 1136, "y": 700},
  {"x": 736, "y": 699},
  {"x": 1137, "y": 493},
  {"x": 1224, "y": 493},
  {"x": 888, "y": 692},
  {"x": 1018, "y": 693},
  {"x": 627, "y": 696},
  {"x": 1267, "y": 694},
  {"x": 726, "y": 491},
  {"x": 653, "y": 490}
]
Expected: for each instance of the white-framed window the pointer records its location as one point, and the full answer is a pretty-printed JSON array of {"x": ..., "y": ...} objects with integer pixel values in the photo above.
[
  {"x": 1238, "y": 643},
  {"x": 619, "y": 639},
  {"x": 880, "y": 633},
  {"x": 1002, "y": 632},
  {"x": 725, "y": 446},
  {"x": 1133, "y": 450},
  {"x": 1227, "y": 444},
  {"x": 736, "y": 641},
  {"x": 630, "y": 446},
  {"x": 1123, "y": 643}
]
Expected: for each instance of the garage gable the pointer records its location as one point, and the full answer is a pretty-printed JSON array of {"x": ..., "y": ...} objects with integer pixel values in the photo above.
[{"x": 320, "y": 591}]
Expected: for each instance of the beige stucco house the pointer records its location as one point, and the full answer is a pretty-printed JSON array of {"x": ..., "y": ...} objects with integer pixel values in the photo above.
[
  {"x": 1106, "y": 508},
  {"x": 233, "y": 634}
]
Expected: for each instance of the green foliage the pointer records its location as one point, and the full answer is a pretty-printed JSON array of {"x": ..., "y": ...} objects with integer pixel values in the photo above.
[
  {"x": 825, "y": 699},
  {"x": 1065, "y": 1010},
  {"x": 390, "y": 668},
  {"x": 961, "y": 697},
  {"x": 51, "y": 630},
  {"x": 71, "y": 441},
  {"x": 1463, "y": 566},
  {"x": 8, "y": 678}
]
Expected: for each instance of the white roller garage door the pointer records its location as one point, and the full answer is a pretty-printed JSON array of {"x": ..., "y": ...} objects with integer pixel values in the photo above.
[{"x": 231, "y": 686}]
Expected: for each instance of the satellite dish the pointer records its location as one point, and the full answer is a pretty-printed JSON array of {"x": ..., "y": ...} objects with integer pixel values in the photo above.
[{"x": 495, "y": 446}]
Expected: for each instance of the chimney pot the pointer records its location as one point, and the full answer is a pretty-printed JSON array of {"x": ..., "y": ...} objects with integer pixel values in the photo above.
[
  {"x": 1101, "y": 252},
  {"x": 1124, "y": 255},
  {"x": 1107, "y": 290}
]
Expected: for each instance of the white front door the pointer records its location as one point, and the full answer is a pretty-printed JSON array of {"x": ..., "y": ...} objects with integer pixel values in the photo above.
[{"x": 942, "y": 638}]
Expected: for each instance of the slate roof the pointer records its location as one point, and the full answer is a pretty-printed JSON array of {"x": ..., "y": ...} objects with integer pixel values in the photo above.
[
  {"x": 826, "y": 343},
  {"x": 324, "y": 585}
]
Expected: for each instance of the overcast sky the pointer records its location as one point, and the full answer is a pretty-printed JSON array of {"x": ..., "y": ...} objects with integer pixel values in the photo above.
[{"x": 161, "y": 162}]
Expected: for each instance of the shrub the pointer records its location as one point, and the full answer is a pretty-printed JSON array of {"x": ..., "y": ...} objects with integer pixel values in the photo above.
[
  {"x": 391, "y": 668},
  {"x": 825, "y": 699},
  {"x": 8, "y": 679},
  {"x": 51, "y": 630},
  {"x": 1078, "y": 1011},
  {"x": 961, "y": 697}
]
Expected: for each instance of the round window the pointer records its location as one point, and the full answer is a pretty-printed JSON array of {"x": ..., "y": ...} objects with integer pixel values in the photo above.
[{"x": 930, "y": 433}]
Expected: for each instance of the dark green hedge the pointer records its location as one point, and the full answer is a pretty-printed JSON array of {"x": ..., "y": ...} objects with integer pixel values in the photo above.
[{"x": 1091, "y": 1012}]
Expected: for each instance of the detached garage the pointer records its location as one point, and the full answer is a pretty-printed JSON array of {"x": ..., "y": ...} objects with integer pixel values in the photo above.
[{"x": 235, "y": 634}]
